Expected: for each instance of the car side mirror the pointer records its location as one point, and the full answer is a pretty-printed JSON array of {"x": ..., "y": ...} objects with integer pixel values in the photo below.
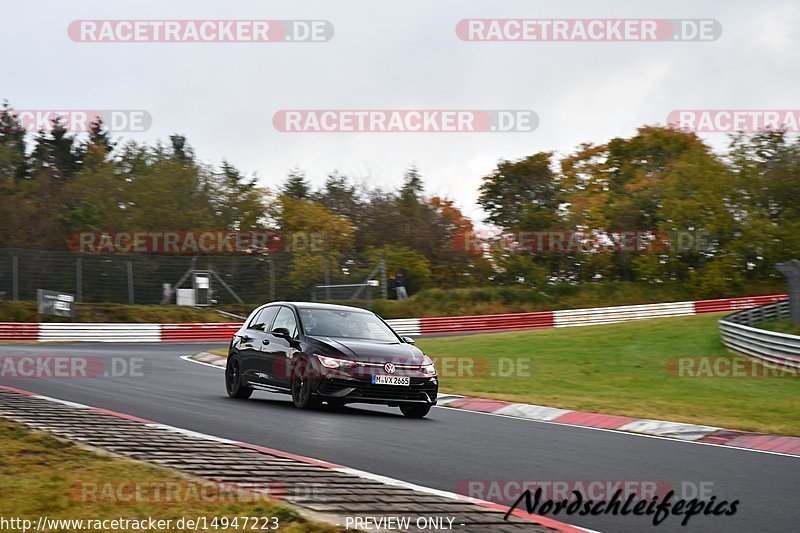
[
  {"x": 407, "y": 340},
  {"x": 281, "y": 332}
]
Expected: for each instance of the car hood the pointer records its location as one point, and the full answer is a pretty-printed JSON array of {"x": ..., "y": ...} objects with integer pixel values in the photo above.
[{"x": 367, "y": 351}]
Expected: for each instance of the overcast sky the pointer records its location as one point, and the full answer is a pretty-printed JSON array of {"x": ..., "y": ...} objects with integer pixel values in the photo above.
[{"x": 399, "y": 55}]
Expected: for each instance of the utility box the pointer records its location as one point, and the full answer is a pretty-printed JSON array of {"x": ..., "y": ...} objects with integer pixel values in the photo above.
[
  {"x": 202, "y": 288},
  {"x": 185, "y": 297}
]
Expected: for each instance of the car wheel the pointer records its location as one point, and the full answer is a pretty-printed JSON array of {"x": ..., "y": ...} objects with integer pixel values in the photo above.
[
  {"x": 415, "y": 411},
  {"x": 302, "y": 397},
  {"x": 233, "y": 380}
]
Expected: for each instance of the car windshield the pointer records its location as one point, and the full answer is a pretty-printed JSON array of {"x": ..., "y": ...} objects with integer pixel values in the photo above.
[{"x": 343, "y": 323}]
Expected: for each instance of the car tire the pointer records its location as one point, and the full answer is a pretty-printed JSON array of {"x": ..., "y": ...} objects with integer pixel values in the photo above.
[
  {"x": 301, "y": 386},
  {"x": 233, "y": 380},
  {"x": 416, "y": 410}
]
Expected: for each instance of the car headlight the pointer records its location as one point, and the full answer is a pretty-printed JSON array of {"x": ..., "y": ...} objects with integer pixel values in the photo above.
[
  {"x": 427, "y": 366},
  {"x": 332, "y": 362}
]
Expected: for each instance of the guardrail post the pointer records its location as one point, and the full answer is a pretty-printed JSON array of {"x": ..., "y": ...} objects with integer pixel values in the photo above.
[{"x": 791, "y": 269}]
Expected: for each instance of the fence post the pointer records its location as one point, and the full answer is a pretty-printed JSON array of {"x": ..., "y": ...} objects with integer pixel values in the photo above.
[
  {"x": 384, "y": 281},
  {"x": 327, "y": 280},
  {"x": 78, "y": 280},
  {"x": 271, "y": 280},
  {"x": 14, "y": 277},
  {"x": 130, "y": 283}
]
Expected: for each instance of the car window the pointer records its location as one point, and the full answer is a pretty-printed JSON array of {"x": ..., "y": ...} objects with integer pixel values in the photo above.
[
  {"x": 286, "y": 319},
  {"x": 263, "y": 319},
  {"x": 341, "y": 323}
]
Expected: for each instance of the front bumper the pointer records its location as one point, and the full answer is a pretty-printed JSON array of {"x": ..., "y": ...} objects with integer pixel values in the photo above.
[{"x": 422, "y": 390}]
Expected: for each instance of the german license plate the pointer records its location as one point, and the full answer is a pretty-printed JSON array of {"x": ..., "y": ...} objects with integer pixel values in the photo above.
[{"x": 380, "y": 379}]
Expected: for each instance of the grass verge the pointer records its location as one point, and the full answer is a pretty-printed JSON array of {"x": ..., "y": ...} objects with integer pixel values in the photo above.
[
  {"x": 25, "y": 311},
  {"x": 41, "y": 476},
  {"x": 626, "y": 369},
  {"x": 781, "y": 326}
]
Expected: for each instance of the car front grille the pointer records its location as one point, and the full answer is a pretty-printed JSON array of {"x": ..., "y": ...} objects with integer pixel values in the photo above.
[{"x": 420, "y": 390}]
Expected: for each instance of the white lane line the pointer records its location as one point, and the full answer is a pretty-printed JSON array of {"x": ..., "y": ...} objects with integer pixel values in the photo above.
[{"x": 189, "y": 358}]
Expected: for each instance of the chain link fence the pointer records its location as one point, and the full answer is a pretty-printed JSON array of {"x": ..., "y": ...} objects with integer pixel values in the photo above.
[{"x": 134, "y": 279}]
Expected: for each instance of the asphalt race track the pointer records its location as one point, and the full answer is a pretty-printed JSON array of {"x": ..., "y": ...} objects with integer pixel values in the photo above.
[{"x": 443, "y": 451}]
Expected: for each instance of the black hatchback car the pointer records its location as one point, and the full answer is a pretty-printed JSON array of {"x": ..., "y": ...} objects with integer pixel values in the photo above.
[{"x": 332, "y": 353}]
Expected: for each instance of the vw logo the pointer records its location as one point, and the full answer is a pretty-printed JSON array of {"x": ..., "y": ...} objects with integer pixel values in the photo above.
[{"x": 389, "y": 368}]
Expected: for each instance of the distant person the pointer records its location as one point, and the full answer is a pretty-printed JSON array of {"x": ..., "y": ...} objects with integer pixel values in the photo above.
[{"x": 400, "y": 287}]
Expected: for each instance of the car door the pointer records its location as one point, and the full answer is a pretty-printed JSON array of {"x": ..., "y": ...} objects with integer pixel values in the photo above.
[
  {"x": 251, "y": 342},
  {"x": 276, "y": 354}
]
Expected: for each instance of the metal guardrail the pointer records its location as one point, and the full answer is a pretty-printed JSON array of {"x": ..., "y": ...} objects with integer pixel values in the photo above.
[
  {"x": 214, "y": 331},
  {"x": 622, "y": 313},
  {"x": 405, "y": 326},
  {"x": 486, "y": 323},
  {"x": 94, "y": 332},
  {"x": 738, "y": 334}
]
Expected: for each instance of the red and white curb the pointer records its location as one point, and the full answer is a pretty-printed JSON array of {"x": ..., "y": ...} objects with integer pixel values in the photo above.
[
  {"x": 117, "y": 332},
  {"x": 537, "y": 519},
  {"x": 779, "y": 444}
]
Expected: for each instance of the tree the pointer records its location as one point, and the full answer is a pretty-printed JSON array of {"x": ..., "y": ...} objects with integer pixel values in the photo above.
[
  {"x": 454, "y": 262},
  {"x": 658, "y": 180},
  {"x": 238, "y": 203},
  {"x": 296, "y": 185},
  {"x": 317, "y": 237},
  {"x": 166, "y": 188},
  {"x": 522, "y": 194},
  {"x": 94, "y": 199},
  {"x": 340, "y": 196},
  {"x": 13, "y": 174}
]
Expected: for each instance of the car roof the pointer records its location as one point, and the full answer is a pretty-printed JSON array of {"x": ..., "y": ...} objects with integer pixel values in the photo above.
[{"x": 318, "y": 305}]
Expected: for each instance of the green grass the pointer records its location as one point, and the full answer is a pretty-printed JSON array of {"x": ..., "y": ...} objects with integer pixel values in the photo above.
[
  {"x": 25, "y": 311},
  {"x": 623, "y": 369},
  {"x": 41, "y": 476},
  {"x": 783, "y": 326}
]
